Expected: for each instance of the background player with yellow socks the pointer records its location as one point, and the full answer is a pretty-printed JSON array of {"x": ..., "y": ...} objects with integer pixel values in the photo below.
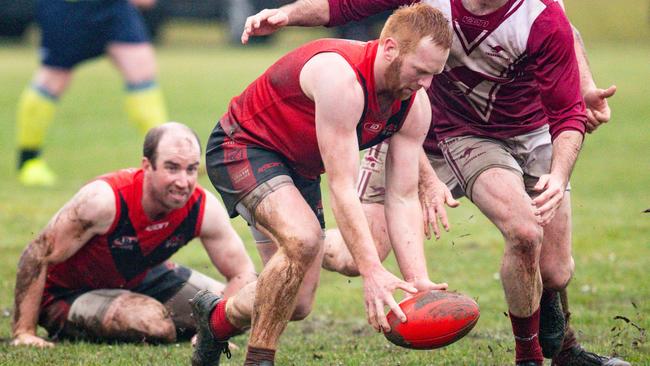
[{"x": 72, "y": 32}]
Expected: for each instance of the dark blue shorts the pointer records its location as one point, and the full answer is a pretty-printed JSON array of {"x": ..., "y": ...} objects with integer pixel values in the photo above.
[{"x": 75, "y": 31}]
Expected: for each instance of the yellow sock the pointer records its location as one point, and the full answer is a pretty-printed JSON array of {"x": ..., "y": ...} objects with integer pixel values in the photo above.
[
  {"x": 35, "y": 113},
  {"x": 145, "y": 107}
]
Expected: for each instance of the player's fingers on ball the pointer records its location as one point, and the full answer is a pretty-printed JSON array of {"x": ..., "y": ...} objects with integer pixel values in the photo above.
[
  {"x": 392, "y": 304},
  {"x": 381, "y": 318}
]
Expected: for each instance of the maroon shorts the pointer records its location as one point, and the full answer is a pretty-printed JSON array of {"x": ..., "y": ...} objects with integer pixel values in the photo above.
[{"x": 237, "y": 170}]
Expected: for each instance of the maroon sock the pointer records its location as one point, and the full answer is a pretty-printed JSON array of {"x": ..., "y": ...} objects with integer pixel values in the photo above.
[
  {"x": 259, "y": 356},
  {"x": 527, "y": 346},
  {"x": 220, "y": 326}
]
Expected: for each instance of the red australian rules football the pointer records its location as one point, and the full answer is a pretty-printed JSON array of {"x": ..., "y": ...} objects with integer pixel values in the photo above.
[{"x": 434, "y": 319}]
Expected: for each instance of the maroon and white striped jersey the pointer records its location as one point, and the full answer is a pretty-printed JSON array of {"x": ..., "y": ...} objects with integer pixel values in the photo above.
[{"x": 508, "y": 73}]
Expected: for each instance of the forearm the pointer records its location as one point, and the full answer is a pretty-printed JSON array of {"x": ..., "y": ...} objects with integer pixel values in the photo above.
[
  {"x": 566, "y": 148},
  {"x": 586, "y": 78},
  {"x": 425, "y": 170},
  {"x": 30, "y": 281},
  {"x": 307, "y": 13},
  {"x": 354, "y": 228},
  {"x": 406, "y": 235}
]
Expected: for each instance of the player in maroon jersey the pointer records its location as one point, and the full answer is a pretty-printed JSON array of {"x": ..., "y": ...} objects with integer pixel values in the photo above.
[
  {"x": 310, "y": 112},
  {"x": 99, "y": 269},
  {"x": 511, "y": 78}
]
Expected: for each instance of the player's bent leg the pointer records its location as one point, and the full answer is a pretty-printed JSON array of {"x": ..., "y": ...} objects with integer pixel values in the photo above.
[
  {"x": 298, "y": 234},
  {"x": 307, "y": 292},
  {"x": 144, "y": 104},
  {"x": 500, "y": 195},
  {"x": 120, "y": 315},
  {"x": 337, "y": 256},
  {"x": 35, "y": 113}
]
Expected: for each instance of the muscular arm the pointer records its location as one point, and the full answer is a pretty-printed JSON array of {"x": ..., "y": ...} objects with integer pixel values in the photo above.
[
  {"x": 90, "y": 212},
  {"x": 224, "y": 247},
  {"x": 310, "y": 13},
  {"x": 402, "y": 205},
  {"x": 331, "y": 83}
]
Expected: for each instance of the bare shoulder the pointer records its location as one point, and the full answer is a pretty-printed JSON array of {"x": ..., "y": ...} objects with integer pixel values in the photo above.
[
  {"x": 94, "y": 205},
  {"x": 328, "y": 72}
]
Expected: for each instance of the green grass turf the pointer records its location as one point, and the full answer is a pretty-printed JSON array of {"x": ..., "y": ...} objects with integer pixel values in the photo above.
[{"x": 91, "y": 136}]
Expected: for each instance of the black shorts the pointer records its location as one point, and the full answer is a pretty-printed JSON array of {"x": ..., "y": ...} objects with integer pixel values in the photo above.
[{"x": 237, "y": 170}]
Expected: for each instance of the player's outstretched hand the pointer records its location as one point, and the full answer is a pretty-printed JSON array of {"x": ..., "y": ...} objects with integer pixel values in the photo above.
[
  {"x": 263, "y": 23},
  {"x": 552, "y": 190},
  {"x": 25, "y": 339},
  {"x": 434, "y": 195},
  {"x": 379, "y": 285},
  {"x": 598, "y": 111}
]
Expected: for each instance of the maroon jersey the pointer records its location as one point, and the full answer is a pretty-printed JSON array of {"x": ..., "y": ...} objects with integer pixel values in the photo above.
[
  {"x": 275, "y": 114},
  {"x": 508, "y": 72},
  {"x": 122, "y": 257}
]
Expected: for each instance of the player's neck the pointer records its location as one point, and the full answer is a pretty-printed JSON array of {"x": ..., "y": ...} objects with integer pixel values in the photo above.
[
  {"x": 153, "y": 208},
  {"x": 483, "y": 7}
]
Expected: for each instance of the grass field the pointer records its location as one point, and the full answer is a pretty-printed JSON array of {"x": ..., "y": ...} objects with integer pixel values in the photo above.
[{"x": 610, "y": 293}]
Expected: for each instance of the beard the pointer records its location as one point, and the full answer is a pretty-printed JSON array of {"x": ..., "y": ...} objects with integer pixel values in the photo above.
[{"x": 393, "y": 82}]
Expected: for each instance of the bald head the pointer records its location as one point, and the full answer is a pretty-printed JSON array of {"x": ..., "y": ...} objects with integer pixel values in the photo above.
[{"x": 172, "y": 132}]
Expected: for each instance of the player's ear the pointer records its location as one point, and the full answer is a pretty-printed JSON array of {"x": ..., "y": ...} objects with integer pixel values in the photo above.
[
  {"x": 146, "y": 164},
  {"x": 391, "y": 49}
]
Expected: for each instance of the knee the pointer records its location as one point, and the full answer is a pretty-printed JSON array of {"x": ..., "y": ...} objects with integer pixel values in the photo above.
[
  {"x": 558, "y": 275},
  {"x": 302, "y": 310},
  {"x": 303, "y": 246},
  {"x": 525, "y": 240},
  {"x": 137, "y": 317}
]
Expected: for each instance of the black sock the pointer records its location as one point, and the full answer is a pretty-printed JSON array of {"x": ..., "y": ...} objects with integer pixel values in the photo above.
[{"x": 27, "y": 154}]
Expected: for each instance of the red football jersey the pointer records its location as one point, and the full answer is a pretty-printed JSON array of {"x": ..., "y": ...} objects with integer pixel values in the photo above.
[
  {"x": 274, "y": 113},
  {"x": 122, "y": 257}
]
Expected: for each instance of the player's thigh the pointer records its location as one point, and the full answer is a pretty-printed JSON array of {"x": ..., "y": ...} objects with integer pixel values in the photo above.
[
  {"x": 129, "y": 45},
  {"x": 114, "y": 314},
  {"x": 492, "y": 179}
]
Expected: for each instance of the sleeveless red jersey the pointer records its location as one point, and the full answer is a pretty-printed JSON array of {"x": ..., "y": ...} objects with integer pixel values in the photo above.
[
  {"x": 275, "y": 114},
  {"x": 122, "y": 257}
]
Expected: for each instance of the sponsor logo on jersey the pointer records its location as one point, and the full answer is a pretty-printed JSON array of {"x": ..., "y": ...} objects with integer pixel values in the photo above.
[
  {"x": 158, "y": 226},
  {"x": 372, "y": 127},
  {"x": 474, "y": 21},
  {"x": 125, "y": 242},
  {"x": 467, "y": 155},
  {"x": 497, "y": 51},
  {"x": 234, "y": 154},
  {"x": 243, "y": 174},
  {"x": 175, "y": 241}
]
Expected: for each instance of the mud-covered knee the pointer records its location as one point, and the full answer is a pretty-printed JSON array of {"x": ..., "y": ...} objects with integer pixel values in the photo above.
[{"x": 137, "y": 317}]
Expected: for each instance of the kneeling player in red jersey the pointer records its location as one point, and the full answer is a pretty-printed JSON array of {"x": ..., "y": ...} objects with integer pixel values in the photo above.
[{"x": 99, "y": 270}]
